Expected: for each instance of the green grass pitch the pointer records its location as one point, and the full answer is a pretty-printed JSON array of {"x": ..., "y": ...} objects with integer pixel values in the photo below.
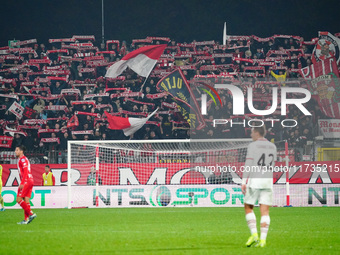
[{"x": 168, "y": 231}]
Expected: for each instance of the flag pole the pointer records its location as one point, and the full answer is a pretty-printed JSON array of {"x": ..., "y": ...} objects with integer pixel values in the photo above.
[
  {"x": 103, "y": 41},
  {"x": 225, "y": 34},
  {"x": 146, "y": 78}
]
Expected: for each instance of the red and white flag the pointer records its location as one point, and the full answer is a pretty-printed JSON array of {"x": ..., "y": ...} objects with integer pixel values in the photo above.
[
  {"x": 128, "y": 125},
  {"x": 328, "y": 46},
  {"x": 6, "y": 141},
  {"x": 324, "y": 84},
  {"x": 140, "y": 61}
]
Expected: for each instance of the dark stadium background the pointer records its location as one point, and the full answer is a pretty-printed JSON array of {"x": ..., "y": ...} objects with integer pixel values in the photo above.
[{"x": 180, "y": 20}]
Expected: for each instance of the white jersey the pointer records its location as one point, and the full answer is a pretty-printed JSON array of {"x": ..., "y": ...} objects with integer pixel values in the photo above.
[{"x": 260, "y": 161}]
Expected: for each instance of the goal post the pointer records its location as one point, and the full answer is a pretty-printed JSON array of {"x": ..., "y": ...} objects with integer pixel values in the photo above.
[{"x": 148, "y": 172}]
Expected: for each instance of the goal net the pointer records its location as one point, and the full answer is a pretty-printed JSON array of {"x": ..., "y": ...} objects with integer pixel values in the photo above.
[{"x": 155, "y": 173}]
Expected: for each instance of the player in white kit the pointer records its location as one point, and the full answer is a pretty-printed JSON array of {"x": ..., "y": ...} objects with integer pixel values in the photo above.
[{"x": 257, "y": 183}]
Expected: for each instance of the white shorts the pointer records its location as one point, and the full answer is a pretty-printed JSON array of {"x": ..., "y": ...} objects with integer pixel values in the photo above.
[{"x": 263, "y": 196}]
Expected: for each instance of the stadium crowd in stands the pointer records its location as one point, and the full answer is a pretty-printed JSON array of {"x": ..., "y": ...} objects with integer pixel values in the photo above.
[{"x": 63, "y": 94}]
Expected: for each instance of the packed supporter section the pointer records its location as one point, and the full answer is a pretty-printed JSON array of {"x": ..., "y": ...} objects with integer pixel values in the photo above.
[{"x": 55, "y": 92}]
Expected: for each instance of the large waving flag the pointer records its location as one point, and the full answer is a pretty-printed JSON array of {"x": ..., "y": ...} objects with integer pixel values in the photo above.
[
  {"x": 128, "y": 125},
  {"x": 140, "y": 61},
  {"x": 324, "y": 85},
  {"x": 176, "y": 84}
]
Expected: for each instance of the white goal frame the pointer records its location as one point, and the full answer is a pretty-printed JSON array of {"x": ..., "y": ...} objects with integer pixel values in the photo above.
[{"x": 103, "y": 142}]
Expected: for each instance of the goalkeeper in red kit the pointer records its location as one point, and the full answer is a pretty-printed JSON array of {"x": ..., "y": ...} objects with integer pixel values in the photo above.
[{"x": 26, "y": 185}]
